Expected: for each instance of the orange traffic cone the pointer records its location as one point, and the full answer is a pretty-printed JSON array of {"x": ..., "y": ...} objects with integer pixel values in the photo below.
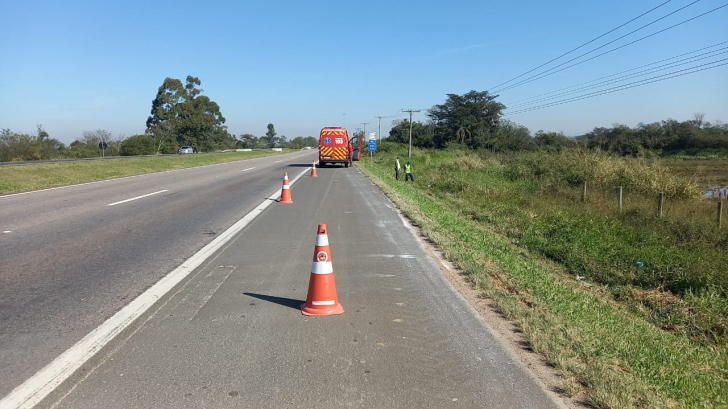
[
  {"x": 286, "y": 191},
  {"x": 322, "y": 299},
  {"x": 313, "y": 171}
]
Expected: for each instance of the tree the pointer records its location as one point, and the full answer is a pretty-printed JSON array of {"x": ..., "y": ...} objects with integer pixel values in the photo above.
[
  {"x": 421, "y": 133},
  {"x": 138, "y": 145},
  {"x": 510, "y": 136},
  {"x": 182, "y": 113},
  {"x": 270, "y": 137},
  {"x": 247, "y": 141},
  {"x": 470, "y": 118},
  {"x": 551, "y": 141}
]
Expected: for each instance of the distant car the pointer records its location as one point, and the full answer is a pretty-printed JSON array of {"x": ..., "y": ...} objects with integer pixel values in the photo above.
[{"x": 185, "y": 150}]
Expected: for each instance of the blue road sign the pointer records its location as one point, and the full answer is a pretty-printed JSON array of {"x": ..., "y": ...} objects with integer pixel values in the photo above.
[{"x": 372, "y": 145}]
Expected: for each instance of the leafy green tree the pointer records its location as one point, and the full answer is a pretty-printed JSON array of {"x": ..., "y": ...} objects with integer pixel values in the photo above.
[
  {"x": 15, "y": 147},
  {"x": 181, "y": 112},
  {"x": 138, "y": 145},
  {"x": 247, "y": 141},
  {"x": 301, "y": 142},
  {"x": 422, "y": 134},
  {"x": 24, "y": 147},
  {"x": 471, "y": 118},
  {"x": 270, "y": 137},
  {"x": 510, "y": 136},
  {"x": 87, "y": 146},
  {"x": 551, "y": 141}
]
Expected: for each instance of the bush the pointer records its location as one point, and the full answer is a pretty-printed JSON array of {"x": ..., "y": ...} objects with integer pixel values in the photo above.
[{"x": 138, "y": 145}]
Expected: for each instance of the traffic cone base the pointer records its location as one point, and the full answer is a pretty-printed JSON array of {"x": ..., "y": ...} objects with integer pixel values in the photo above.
[
  {"x": 286, "y": 190},
  {"x": 322, "y": 298}
]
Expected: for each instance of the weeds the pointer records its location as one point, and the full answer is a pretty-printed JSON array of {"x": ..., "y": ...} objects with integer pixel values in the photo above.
[{"x": 634, "y": 309}]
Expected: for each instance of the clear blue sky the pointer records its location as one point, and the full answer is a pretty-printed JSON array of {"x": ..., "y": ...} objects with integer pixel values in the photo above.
[{"x": 302, "y": 65}]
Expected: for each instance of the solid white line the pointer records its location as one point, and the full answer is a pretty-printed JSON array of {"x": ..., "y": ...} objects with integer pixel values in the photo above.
[
  {"x": 38, "y": 386},
  {"x": 135, "y": 198},
  {"x": 245, "y": 170}
]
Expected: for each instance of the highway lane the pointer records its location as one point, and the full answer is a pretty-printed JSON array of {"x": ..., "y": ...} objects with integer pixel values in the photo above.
[
  {"x": 71, "y": 257},
  {"x": 232, "y": 335}
]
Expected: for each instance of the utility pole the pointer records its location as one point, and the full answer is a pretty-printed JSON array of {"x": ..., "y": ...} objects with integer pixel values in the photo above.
[
  {"x": 409, "y": 152},
  {"x": 365, "y": 137},
  {"x": 380, "y": 126}
]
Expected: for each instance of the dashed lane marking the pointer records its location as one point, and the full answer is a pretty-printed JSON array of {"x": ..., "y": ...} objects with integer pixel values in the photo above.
[{"x": 138, "y": 197}]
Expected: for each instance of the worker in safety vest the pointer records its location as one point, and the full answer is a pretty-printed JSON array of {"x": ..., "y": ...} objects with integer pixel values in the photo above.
[
  {"x": 408, "y": 172},
  {"x": 396, "y": 168}
]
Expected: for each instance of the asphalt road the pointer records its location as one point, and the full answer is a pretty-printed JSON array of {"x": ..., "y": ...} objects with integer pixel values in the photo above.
[
  {"x": 232, "y": 334},
  {"x": 72, "y": 257}
]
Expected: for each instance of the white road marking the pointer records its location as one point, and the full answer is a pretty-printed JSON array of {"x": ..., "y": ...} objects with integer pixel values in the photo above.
[
  {"x": 279, "y": 161},
  {"x": 138, "y": 197},
  {"x": 119, "y": 178},
  {"x": 405, "y": 256},
  {"x": 245, "y": 170},
  {"x": 38, "y": 386},
  {"x": 7, "y": 231}
]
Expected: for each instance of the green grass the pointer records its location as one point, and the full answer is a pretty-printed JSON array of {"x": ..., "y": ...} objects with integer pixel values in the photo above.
[
  {"x": 624, "y": 336},
  {"x": 41, "y": 176}
]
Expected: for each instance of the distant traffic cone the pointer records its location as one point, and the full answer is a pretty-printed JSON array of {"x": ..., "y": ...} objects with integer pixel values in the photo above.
[
  {"x": 286, "y": 191},
  {"x": 313, "y": 171},
  {"x": 322, "y": 299}
]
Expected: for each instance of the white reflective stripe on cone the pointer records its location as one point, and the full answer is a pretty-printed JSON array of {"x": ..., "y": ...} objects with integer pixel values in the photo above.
[
  {"x": 322, "y": 267},
  {"x": 286, "y": 187},
  {"x": 322, "y": 239},
  {"x": 332, "y": 302}
]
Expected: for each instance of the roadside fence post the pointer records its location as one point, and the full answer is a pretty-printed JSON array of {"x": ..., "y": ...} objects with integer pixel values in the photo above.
[
  {"x": 660, "y": 200},
  {"x": 619, "y": 198},
  {"x": 583, "y": 194},
  {"x": 720, "y": 213}
]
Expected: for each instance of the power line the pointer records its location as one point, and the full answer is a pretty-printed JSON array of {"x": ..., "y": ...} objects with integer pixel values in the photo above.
[
  {"x": 627, "y": 86},
  {"x": 631, "y": 69},
  {"x": 547, "y": 73},
  {"x": 587, "y": 43},
  {"x": 626, "y": 77}
]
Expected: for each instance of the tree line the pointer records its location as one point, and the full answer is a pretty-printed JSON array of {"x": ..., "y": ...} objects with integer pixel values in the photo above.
[
  {"x": 182, "y": 116},
  {"x": 475, "y": 121},
  {"x": 40, "y": 146}
]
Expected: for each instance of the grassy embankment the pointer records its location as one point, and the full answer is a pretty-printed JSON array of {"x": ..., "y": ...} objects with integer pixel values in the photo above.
[
  {"x": 21, "y": 178},
  {"x": 624, "y": 334}
]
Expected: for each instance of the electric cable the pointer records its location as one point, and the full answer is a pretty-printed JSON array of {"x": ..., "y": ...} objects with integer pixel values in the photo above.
[
  {"x": 547, "y": 73},
  {"x": 626, "y": 77},
  {"x": 626, "y": 71},
  {"x": 587, "y": 43},
  {"x": 625, "y": 86}
]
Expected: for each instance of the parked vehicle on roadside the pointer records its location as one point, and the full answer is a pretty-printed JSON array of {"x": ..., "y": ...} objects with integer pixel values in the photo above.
[
  {"x": 334, "y": 146},
  {"x": 186, "y": 150}
]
